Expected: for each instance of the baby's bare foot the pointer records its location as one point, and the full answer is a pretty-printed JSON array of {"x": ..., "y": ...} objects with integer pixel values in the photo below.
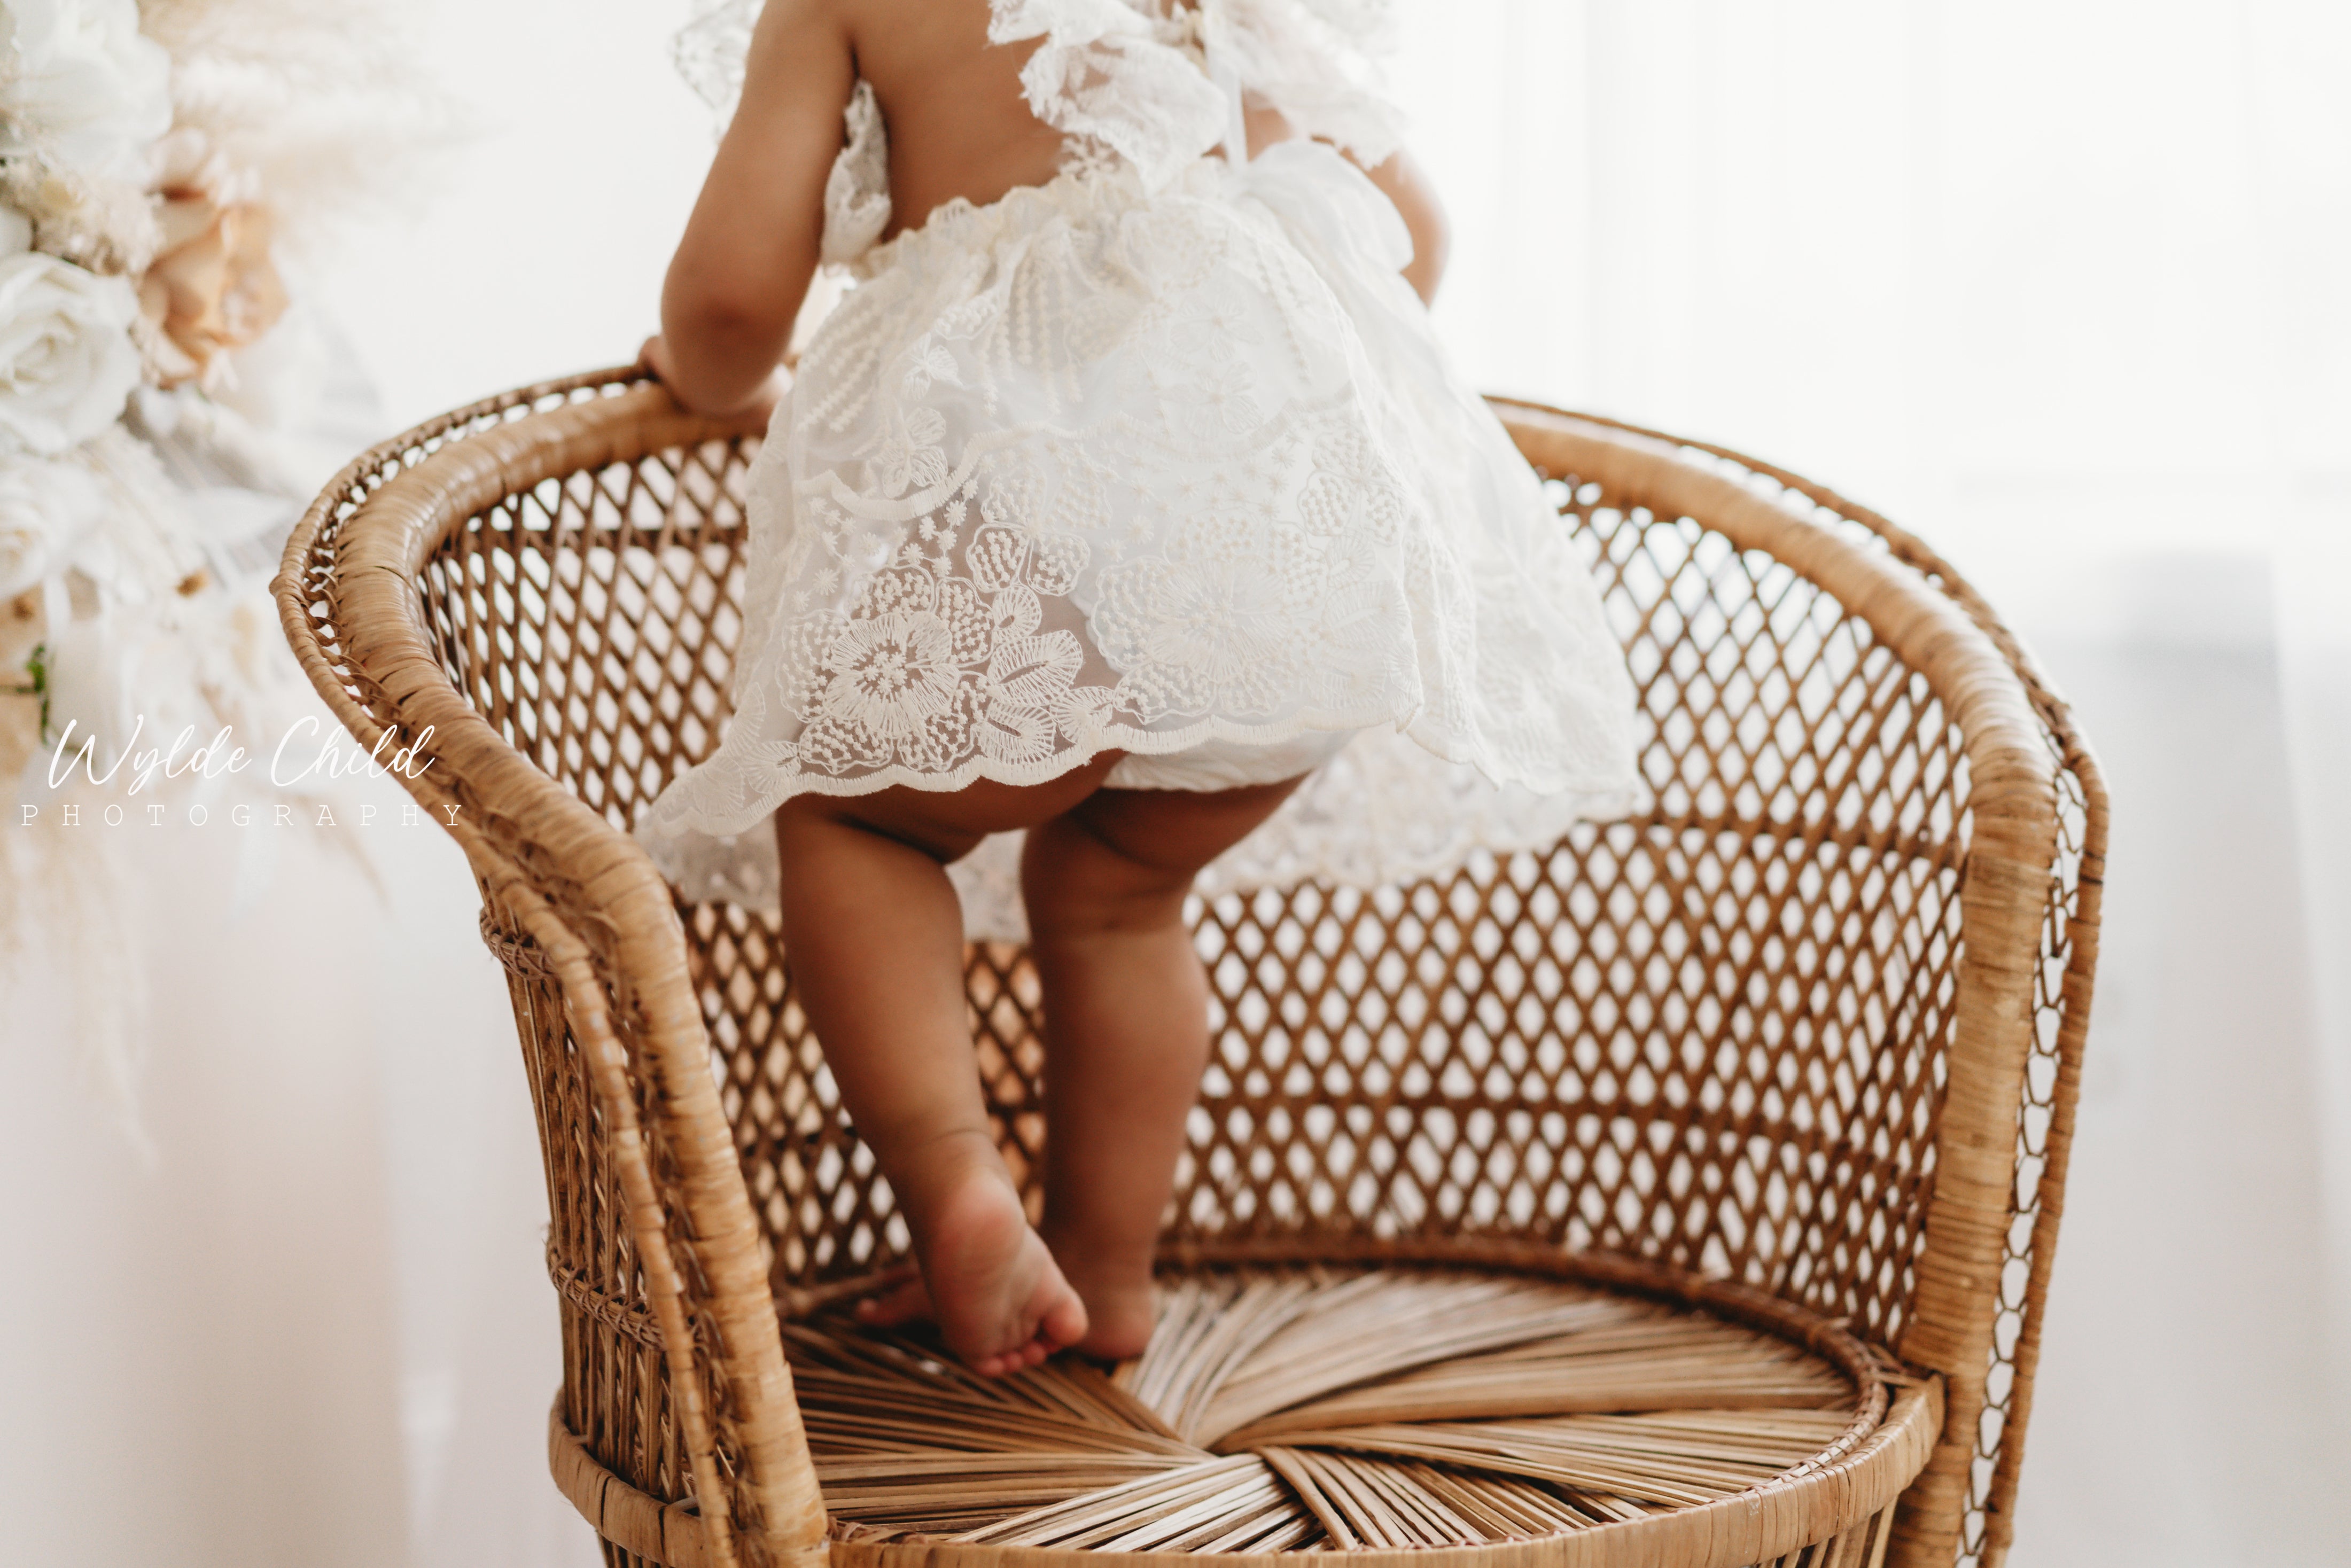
[
  {"x": 1122, "y": 1305},
  {"x": 1000, "y": 1302}
]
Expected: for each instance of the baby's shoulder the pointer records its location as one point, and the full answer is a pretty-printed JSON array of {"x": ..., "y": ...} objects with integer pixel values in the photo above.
[
  {"x": 873, "y": 16},
  {"x": 889, "y": 42},
  {"x": 911, "y": 48},
  {"x": 915, "y": 21}
]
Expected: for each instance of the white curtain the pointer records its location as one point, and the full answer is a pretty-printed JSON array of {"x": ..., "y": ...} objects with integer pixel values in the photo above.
[
  {"x": 2066, "y": 288},
  {"x": 310, "y": 1327},
  {"x": 2059, "y": 285}
]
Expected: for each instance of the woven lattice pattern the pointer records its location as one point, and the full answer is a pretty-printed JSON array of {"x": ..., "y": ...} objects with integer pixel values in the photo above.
[
  {"x": 2061, "y": 1002},
  {"x": 1712, "y": 1037},
  {"x": 593, "y": 619},
  {"x": 1663, "y": 1037},
  {"x": 1720, "y": 1036}
]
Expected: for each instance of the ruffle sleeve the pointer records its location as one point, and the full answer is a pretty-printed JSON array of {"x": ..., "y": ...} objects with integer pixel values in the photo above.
[
  {"x": 1113, "y": 74},
  {"x": 1317, "y": 61}
]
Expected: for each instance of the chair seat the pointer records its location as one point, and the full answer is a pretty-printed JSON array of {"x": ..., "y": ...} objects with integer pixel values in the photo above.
[{"x": 1596, "y": 1410}]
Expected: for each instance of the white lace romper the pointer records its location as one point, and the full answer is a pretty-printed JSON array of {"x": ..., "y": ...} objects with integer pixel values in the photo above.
[{"x": 1161, "y": 457}]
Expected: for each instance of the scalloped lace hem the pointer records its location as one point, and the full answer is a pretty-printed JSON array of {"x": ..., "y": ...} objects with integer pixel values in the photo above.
[
  {"x": 1384, "y": 809},
  {"x": 676, "y": 813}
]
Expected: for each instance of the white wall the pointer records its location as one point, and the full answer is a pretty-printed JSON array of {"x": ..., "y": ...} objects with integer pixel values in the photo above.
[{"x": 539, "y": 247}]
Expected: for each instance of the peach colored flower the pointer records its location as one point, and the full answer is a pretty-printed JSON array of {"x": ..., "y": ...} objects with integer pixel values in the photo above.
[{"x": 211, "y": 286}]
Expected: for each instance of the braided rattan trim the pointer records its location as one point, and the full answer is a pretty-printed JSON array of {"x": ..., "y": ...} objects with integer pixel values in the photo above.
[
  {"x": 516, "y": 955},
  {"x": 526, "y": 836},
  {"x": 623, "y": 1318},
  {"x": 668, "y": 1534}
]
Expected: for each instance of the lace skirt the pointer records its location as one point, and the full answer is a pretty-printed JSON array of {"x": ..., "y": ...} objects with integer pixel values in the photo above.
[{"x": 1182, "y": 473}]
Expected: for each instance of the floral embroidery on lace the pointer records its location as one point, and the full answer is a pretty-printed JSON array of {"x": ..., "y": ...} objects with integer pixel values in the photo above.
[{"x": 1097, "y": 466}]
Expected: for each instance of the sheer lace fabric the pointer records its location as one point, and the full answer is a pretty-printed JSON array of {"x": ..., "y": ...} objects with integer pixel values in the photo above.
[{"x": 1159, "y": 457}]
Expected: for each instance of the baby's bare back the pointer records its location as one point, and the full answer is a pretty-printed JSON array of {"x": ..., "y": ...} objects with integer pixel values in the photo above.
[
  {"x": 958, "y": 123},
  {"x": 959, "y": 126}
]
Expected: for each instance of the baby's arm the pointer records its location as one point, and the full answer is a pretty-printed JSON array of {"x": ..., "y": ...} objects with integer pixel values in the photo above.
[
  {"x": 1403, "y": 181},
  {"x": 751, "y": 246},
  {"x": 1415, "y": 198}
]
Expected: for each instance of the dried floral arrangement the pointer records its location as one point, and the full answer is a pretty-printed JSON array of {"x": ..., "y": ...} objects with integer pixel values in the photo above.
[{"x": 168, "y": 169}]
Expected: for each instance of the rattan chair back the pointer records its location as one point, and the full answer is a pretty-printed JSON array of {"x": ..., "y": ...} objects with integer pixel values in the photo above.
[{"x": 1810, "y": 1023}]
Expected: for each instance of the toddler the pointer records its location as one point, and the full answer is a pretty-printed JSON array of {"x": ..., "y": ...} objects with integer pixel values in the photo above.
[{"x": 1125, "y": 488}]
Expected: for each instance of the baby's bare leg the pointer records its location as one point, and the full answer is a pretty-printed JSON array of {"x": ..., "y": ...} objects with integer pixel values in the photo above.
[
  {"x": 875, "y": 937},
  {"x": 1126, "y": 1032}
]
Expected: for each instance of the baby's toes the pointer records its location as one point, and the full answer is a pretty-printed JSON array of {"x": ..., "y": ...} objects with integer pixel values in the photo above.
[
  {"x": 1061, "y": 1323},
  {"x": 910, "y": 1302}
]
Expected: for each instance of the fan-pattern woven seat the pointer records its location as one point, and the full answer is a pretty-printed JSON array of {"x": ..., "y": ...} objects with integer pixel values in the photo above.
[
  {"x": 1684, "y": 1193},
  {"x": 1341, "y": 1407}
]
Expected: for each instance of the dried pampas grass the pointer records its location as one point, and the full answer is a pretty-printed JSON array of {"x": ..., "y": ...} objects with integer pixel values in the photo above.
[{"x": 323, "y": 107}]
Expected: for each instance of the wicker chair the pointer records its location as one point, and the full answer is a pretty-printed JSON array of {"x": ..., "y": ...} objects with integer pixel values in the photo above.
[{"x": 1684, "y": 1193}]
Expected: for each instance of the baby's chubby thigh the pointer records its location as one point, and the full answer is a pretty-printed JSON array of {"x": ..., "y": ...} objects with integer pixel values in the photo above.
[{"x": 948, "y": 824}]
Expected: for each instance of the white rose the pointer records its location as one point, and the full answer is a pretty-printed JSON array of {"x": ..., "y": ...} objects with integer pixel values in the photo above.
[
  {"x": 67, "y": 360},
  {"x": 46, "y": 509},
  {"x": 81, "y": 84}
]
